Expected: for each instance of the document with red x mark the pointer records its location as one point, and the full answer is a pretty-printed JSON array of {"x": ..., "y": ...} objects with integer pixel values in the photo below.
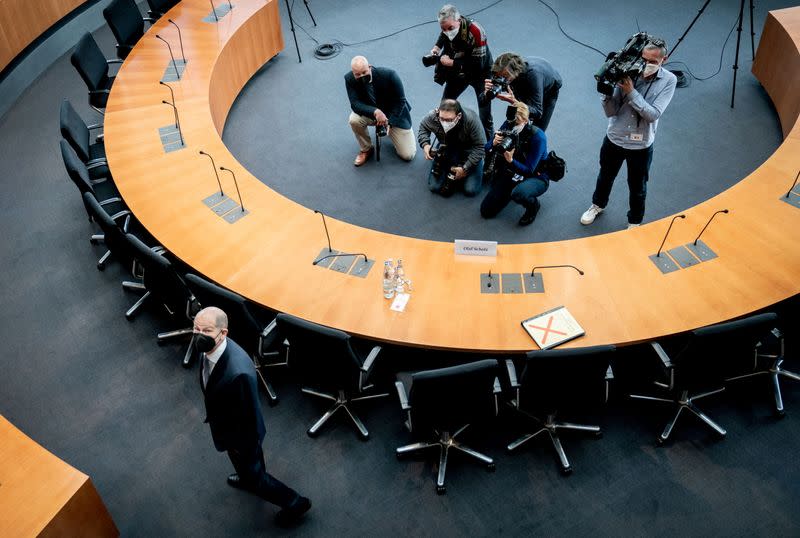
[{"x": 553, "y": 327}]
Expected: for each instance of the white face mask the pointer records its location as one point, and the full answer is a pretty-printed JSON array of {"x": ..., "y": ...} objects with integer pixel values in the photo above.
[
  {"x": 451, "y": 34},
  {"x": 448, "y": 125},
  {"x": 651, "y": 69}
]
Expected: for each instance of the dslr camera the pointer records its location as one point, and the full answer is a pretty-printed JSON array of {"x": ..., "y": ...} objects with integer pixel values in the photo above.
[
  {"x": 438, "y": 154},
  {"x": 381, "y": 130},
  {"x": 508, "y": 142},
  {"x": 499, "y": 84},
  {"x": 626, "y": 62}
]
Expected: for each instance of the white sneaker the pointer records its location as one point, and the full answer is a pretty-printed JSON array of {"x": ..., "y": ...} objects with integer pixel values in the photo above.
[
  {"x": 590, "y": 214},
  {"x": 633, "y": 225}
]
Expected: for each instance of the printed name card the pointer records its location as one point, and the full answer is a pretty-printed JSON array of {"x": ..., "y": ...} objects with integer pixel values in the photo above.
[{"x": 470, "y": 247}]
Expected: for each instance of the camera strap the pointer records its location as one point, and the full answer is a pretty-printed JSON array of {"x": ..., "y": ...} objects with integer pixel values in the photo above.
[{"x": 644, "y": 96}]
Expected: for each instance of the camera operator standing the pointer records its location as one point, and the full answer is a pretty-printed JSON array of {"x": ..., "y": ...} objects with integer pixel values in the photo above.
[
  {"x": 633, "y": 111},
  {"x": 516, "y": 150},
  {"x": 531, "y": 80},
  {"x": 458, "y": 159},
  {"x": 463, "y": 58},
  {"x": 377, "y": 98}
]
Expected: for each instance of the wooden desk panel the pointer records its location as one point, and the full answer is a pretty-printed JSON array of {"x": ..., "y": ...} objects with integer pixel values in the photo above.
[{"x": 267, "y": 255}]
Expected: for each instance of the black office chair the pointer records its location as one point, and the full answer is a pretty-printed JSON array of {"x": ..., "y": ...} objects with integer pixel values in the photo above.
[
  {"x": 330, "y": 365},
  {"x": 697, "y": 367},
  {"x": 441, "y": 404},
  {"x": 126, "y": 23},
  {"x": 160, "y": 281},
  {"x": 78, "y": 134},
  {"x": 114, "y": 228},
  {"x": 557, "y": 382},
  {"x": 160, "y": 7},
  {"x": 242, "y": 327},
  {"x": 766, "y": 358},
  {"x": 92, "y": 66}
]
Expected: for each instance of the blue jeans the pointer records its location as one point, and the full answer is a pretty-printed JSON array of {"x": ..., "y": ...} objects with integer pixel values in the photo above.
[
  {"x": 472, "y": 183},
  {"x": 526, "y": 193},
  {"x": 638, "y": 161}
]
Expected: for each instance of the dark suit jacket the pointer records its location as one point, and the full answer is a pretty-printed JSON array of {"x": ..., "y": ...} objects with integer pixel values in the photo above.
[
  {"x": 389, "y": 97},
  {"x": 233, "y": 409}
]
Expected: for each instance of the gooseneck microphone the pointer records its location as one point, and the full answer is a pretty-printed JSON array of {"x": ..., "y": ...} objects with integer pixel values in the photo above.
[
  {"x": 489, "y": 279},
  {"x": 793, "y": 184},
  {"x": 177, "y": 121},
  {"x": 533, "y": 271},
  {"x": 180, "y": 39},
  {"x": 213, "y": 10},
  {"x": 326, "y": 231},
  {"x": 658, "y": 254},
  {"x": 235, "y": 183},
  {"x": 214, "y": 166},
  {"x": 315, "y": 262},
  {"x": 707, "y": 223},
  {"x": 174, "y": 65},
  {"x": 172, "y": 93}
]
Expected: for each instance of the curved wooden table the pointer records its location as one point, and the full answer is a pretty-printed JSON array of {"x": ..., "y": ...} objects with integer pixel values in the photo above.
[{"x": 267, "y": 255}]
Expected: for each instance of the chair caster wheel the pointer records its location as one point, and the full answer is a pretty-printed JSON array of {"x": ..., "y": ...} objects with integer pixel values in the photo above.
[
  {"x": 312, "y": 434},
  {"x": 598, "y": 435},
  {"x": 491, "y": 467},
  {"x": 780, "y": 414},
  {"x": 101, "y": 266},
  {"x": 363, "y": 438},
  {"x": 566, "y": 471},
  {"x": 441, "y": 490},
  {"x": 660, "y": 441},
  {"x": 94, "y": 241},
  {"x": 272, "y": 402}
]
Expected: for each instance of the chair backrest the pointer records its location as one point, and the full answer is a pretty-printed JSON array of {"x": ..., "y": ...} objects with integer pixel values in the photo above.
[
  {"x": 90, "y": 62},
  {"x": 713, "y": 353},
  {"x": 449, "y": 398},
  {"x": 242, "y": 325},
  {"x": 75, "y": 168},
  {"x": 159, "y": 7},
  {"x": 323, "y": 356},
  {"x": 126, "y": 24},
  {"x": 113, "y": 236},
  {"x": 74, "y": 130},
  {"x": 160, "y": 277},
  {"x": 555, "y": 379}
]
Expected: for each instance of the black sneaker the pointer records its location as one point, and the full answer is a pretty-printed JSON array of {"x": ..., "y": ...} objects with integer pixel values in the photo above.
[
  {"x": 291, "y": 514},
  {"x": 530, "y": 214}
]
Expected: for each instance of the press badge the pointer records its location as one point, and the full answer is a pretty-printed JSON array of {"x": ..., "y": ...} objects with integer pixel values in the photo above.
[
  {"x": 516, "y": 178},
  {"x": 637, "y": 137}
]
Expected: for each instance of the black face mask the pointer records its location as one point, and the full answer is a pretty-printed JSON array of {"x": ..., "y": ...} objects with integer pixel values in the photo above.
[
  {"x": 511, "y": 113},
  {"x": 204, "y": 343}
]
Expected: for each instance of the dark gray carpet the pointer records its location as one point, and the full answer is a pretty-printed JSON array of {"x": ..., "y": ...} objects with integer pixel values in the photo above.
[{"x": 98, "y": 392}]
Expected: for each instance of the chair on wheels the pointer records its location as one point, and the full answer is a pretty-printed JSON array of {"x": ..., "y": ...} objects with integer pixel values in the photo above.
[
  {"x": 75, "y": 131},
  {"x": 126, "y": 23},
  {"x": 557, "y": 382},
  {"x": 159, "y": 7},
  {"x": 766, "y": 358},
  {"x": 697, "y": 367},
  {"x": 440, "y": 404},
  {"x": 92, "y": 66},
  {"x": 331, "y": 367},
  {"x": 113, "y": 231},
  {"x": 242, "y": 327}
]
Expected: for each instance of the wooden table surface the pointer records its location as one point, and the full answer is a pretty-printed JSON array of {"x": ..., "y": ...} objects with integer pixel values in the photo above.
[{"x": 267, "y": 255}]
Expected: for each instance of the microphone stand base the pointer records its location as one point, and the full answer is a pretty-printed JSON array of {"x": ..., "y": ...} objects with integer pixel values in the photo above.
[{"x": 664, "y": 263}]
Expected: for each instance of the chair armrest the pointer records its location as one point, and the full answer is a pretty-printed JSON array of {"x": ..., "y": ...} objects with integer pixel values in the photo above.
[
  {"x": 92, "y": 92},
  {"x": 151, "y": 20},
  {"x": 512, "y": 373},
  {"x": 111, "y": 201},
  {"x": 401, "y": 393},
  {"x": 662, "y": 355},
  {"x": 123, "y": 213},
  {"x": 777, "y": 335},
  {"x": 368, "y": 362},
  {"x": 96, "y": 163},
  {"x": 94, "y": 126},
  {"x": 609, "y": 373},
  {"x": 114, "y": 61}
]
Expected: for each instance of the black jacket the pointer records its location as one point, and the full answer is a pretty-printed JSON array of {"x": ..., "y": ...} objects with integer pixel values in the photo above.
[
  {"x": 468, "y": 136},
  {"x": 389, "y": 97}
]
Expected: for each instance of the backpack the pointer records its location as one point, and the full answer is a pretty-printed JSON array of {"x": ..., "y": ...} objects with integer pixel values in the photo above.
[{"x": 553, "y": 166}]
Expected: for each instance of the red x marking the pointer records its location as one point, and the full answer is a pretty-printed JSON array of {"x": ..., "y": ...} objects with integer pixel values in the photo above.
[{"x": 547, "y": 330}]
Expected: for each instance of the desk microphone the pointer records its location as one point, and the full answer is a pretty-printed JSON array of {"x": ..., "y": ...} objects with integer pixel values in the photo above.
[
  {"x": 533, "y": 271},
  {"x": 177, "y": 122},
  {"x": 235, "y": 183},
  {"x": 174, "y": 65},
  {"x": 180, "y": 39},
  {"x": 172, "y": 93},
  {"x": 315, "y": 262},
  {"x": 326, "y": 232},
  {"x": 709, "y": 222},
  {"x": 489, "y": 279},
  {"x": 793, "y": 184},
  {"x": 213, "y": 10},
  {"x": 214, "y": 166},
  {"x": 658, "y": 254}
]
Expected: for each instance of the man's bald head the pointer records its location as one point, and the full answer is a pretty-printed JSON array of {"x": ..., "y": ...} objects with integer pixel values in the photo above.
[
  {"x": 212, "y": 317},
  {"x": 360, "y": 67}
]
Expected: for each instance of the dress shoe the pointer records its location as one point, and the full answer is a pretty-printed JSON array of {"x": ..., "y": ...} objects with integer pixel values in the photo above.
[
  {"x": 363, "y": 156},
  {"x": 291, "y": 514},
  {"x": 530, "y": 214},
  {"x": 235, "y": 482}
]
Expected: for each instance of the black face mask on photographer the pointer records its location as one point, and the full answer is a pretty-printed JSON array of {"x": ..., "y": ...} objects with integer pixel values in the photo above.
[
  {"x": 511, "y": 113},
  {"x": 204, "y": 342}
]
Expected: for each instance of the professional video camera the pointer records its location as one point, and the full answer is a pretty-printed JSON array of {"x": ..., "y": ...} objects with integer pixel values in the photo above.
[
  {"x": 626, "y": 62},
  {"x": 499, "y": 84}
]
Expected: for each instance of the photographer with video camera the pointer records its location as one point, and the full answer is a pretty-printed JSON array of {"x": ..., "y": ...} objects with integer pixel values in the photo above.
[
  {"x": 462, "y": 58},
  {"x": 532, "y": 80},
  {"x": 633, "y": 109},
  {"x": 377, "y": 98},
  {"x": 514, "y": 155},
  {"x": 458, "y": 159}
]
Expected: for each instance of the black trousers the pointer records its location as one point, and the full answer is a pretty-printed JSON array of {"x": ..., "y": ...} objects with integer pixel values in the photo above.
[
  {"x": 548, "y": 105},
  {"x": 454, "y": 88},
  {"x": 638, "y": 160},
  {"x": 249, "y": 465}
]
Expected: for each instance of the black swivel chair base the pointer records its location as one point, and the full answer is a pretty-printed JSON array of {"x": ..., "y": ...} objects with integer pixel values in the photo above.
[
  {"x": 137, "y": 287},
  {"x": 774, "y": 372},
  {"x": 551, "y": 427},
  {"x": 341, "y": 401},
  {"x": 445, "y": 443},
  {"x": 684, "y": 402}
]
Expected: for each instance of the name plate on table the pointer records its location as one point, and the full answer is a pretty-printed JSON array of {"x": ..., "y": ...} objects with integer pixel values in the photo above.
[{"x": 469, "y": 247}]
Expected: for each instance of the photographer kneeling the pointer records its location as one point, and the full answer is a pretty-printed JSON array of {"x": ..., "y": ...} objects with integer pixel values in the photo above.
[
  {"x": 458, "y": 160},
  {"x": 513, "y": 155}
]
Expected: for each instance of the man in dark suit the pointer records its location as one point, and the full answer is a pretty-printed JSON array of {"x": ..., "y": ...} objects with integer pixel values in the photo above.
[
  {"x": 233, "y": 411},
  {"x": 377, "y": 98}
]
